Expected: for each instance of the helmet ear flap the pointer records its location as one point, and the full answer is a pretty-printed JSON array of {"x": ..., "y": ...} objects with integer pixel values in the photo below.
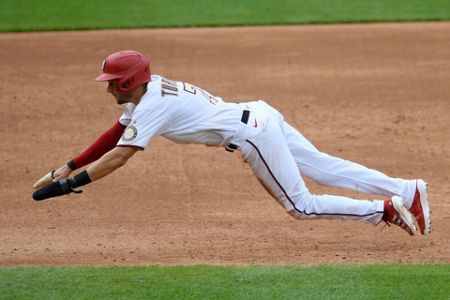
[
  {"x": 133, "y": 78},
  {"x": 125, "y": 85}
]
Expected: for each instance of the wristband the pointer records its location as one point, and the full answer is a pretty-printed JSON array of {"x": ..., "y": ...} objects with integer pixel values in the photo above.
[
  {"x": 81, "y": 179},
  {"x": 71, "y": 165}
]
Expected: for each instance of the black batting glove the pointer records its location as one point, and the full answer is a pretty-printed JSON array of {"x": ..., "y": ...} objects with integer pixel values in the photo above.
[{"x": 62, "y": 187}]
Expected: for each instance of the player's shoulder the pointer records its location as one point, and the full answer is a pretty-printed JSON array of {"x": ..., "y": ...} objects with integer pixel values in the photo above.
[
  {"x": 153, "y": 96},
  {"x": 153, "y": 87},
  {"x": 156, "y": 78}
]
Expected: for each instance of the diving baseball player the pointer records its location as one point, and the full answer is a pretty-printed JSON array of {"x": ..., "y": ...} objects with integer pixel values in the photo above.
[{"x": 276, "y": 152}]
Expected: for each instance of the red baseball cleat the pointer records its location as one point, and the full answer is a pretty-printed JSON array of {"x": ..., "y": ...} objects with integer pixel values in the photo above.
[
  {"x": 420, "y": 208},
  {"x": 396, "y": 213}
]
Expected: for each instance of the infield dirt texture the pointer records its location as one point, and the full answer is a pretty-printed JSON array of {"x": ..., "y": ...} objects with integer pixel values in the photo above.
[{"x": 374, "y": 94}]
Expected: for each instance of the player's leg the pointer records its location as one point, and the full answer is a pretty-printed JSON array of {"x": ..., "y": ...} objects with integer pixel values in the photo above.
[
  {"x": 271, "y": 161},
  {"x": 333, "y": 171}
]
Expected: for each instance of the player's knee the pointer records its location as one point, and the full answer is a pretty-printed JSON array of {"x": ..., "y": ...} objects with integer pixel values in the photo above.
[{"x": 298, "y": 204}]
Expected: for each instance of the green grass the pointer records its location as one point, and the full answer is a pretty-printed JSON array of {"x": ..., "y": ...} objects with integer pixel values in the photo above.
[
  {"x": 31, "y": 15},
  {"x": 228, "y": 282}
]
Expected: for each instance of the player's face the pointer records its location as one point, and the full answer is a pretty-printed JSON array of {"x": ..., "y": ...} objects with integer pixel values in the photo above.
[{"x": 120, "y": 98}]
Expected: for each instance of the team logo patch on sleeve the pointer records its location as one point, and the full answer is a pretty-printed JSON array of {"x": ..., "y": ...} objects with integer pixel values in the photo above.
[{"x": 129, "y": 134}]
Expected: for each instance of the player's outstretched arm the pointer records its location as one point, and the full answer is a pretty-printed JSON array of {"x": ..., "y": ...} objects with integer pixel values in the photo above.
[
  {"x": 104, "y": 143},
  {"x": 109, "y": 162}
]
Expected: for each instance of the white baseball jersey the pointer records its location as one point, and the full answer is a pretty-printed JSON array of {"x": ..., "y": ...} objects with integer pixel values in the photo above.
[
  {"x": 179, "y": 112},
  {"x": 277, "y": 153}
]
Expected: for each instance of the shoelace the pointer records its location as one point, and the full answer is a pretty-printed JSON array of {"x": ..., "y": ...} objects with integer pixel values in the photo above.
[{"x": 398, "y": 222}]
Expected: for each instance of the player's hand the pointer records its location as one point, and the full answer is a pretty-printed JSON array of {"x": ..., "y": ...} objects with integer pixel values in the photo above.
[
  {"x": 53, "y": 176},
  {"x": 55, "y": 189},
  {"x": 62, "y": 173}
]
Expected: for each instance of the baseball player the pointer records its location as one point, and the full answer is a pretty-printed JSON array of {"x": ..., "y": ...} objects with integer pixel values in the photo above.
[{"x": 277, "y": 153}]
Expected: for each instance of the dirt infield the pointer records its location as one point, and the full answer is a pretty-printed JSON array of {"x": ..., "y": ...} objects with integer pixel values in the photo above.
[{"x": 374, "y": 94}]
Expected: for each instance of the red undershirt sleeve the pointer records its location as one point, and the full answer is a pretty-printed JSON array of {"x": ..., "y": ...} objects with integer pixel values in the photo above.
[{"x": 107, "y": 141}]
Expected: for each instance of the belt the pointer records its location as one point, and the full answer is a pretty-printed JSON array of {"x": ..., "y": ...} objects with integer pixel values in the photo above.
[{"x": 244, "y": 119}]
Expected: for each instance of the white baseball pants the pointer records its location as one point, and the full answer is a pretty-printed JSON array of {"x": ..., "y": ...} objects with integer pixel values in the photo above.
[{"x": 279, "y": 155}]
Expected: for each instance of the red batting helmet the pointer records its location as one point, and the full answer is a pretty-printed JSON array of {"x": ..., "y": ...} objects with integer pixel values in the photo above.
[{"x": 130, "y": 68}]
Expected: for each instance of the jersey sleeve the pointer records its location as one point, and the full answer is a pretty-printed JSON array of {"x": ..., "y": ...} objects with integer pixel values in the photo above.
[{"x": 144, "y": 125}]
